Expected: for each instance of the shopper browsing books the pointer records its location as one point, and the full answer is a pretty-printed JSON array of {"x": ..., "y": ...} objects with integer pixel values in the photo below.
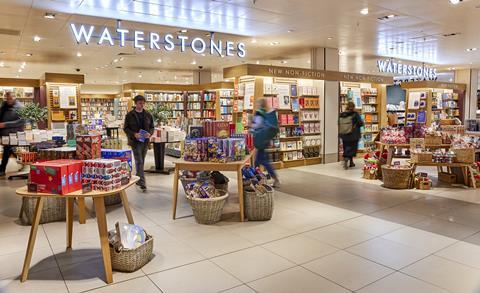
[
  {"x": 139, "y": 126},
  {"x": 264, "y": 129},
  {"x": 349, "y": 126},
  {"x": 10, "y": 122}
]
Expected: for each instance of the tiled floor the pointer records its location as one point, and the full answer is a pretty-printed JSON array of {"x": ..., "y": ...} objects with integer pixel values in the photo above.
[{"x": 331, "y": 232}]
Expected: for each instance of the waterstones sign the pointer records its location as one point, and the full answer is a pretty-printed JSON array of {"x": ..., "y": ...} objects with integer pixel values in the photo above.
[
  {"x": 150, "y": 40},
  {"x": 407, "y": 72}
]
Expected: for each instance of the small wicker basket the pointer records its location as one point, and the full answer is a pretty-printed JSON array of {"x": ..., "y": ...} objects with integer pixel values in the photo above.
[
  {"x": 54, "y": 209},
  {"x": 433, "y": 140},
  {"x": 186, "y": 181},
  {"x": 259, "y": 207},
  {"x": 130, "y": 260},
  {"x": 208, "y": 210},
  {"x": 112, "y": 200},
  {"x": 397, "y": 178},
  {"x": 424, "y": 157}
]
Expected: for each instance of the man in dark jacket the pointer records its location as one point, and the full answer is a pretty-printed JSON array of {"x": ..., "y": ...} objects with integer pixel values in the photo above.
[
  {"x": 351, "y": 136},
  {"x": 10, "y": 122},
  {"x": 139, "y": 126}
]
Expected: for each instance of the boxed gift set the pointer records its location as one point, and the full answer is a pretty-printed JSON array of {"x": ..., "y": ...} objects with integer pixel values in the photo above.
[
  {"x": 89, "y": 146},
  {"x": 104, "y": 174},
  {"x": 57, "y": 176},
  {"x": 214, "y": 149}
]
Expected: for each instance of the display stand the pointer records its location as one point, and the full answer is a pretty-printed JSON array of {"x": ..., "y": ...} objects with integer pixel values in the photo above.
[
  {"x": 98, "y": 200},
  {"x": 159, "y": 154},
  {"x": 210, "y": 166},
  {"x": 390, "y": 148},
  {"x": 467, "y": 170}
]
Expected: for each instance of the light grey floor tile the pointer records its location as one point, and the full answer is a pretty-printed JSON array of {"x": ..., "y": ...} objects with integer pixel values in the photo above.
[
  {"x": 401, "y": 283},
  {"x": 142, "y": 284},
  {"x": 339, "y": 236}
]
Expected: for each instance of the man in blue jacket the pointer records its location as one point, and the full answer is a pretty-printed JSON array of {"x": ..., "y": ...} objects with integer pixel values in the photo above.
[{"x": 10, "y": 122}]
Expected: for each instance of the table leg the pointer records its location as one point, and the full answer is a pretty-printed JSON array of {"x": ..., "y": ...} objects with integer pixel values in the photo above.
[
  {"x": 82, "y": 214},
  {"x": 390, "y": 151},
  {"x": 472, "y": 177},
  {"x": 102, "y": 231},
  {"x": 20, "y": 215},
  {"x": 69, "y": 221},
  {"x": 126, "y": 206},
  {"x": 175, "y": 192},
  {"x": 32, "y": 237},
  {"x": 465, "y": 175},
  {"x": 240, "y": 193}
]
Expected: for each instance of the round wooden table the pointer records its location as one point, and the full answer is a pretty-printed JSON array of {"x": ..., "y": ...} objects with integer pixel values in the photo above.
[{"x": 98, "y": 200}]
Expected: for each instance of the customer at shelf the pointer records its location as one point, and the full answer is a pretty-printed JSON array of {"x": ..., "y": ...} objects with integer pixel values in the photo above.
[
  {"x": 139, "y": 126},
  {"x": 10, "y": 122},
  {"x": 264, "y": 129},
  {"x": 349, "y": 127}
]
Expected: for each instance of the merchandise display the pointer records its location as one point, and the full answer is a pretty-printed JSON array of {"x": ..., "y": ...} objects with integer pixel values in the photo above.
[
  {"x": 89, "y": 146},
  {"x": 105, "y": 174},
  {"x": 56, "y": 177}
]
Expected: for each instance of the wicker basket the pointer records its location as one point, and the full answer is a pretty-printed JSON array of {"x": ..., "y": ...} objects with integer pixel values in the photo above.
[
  {"x": 259, "y": 207},
  {"x": 414, "y": 142},
  {"x": 208, "y": 210},
  {"x": 130, "y": 260},
  {"x": 54, "y": 209},
  {"x": 112, "y": 200},
  {"x": 397, "y": 178},
  {"x": 465, "y": 155},
  {"x": 433, "y": 140},
  {"x": 186, "y": 181},
  {"x": 424, "y": 157},
  {"x": 222, "y": 187}
]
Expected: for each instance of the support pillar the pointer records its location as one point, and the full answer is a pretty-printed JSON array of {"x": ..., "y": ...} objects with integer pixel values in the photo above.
[
  {"x": 202, "y": 77},
  {"x": 328, "y": 59},
  {"x": 470, "y": 78}
]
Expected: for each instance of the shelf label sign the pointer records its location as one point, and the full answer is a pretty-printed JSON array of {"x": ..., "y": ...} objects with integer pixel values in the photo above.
[
  {"x": 154, "y": 41},
  {"x": 406, "y": 72}
]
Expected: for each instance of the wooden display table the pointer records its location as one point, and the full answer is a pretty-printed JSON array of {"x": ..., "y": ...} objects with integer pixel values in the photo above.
[
  {"x": 209, "y": 166},
  {"x": 98, "y": 200},
  {"x": 467, "y": 169},
  {"x": 390, "y": 147}
]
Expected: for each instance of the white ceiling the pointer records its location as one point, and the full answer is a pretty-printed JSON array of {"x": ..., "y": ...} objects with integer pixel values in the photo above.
[{"x": 297, "y": 25}]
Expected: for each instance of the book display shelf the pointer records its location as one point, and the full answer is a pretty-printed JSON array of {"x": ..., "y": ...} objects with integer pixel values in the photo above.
[
  {"x": 98, "y": 107},
  {"x": 23, "y": 94}
]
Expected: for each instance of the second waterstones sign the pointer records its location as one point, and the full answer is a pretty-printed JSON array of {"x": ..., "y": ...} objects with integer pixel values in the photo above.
[{"x": 154, "y": 41}]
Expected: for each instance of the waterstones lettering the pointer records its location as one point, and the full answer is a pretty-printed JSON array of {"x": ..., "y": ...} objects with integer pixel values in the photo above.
[
  {"x": 168, "y": 42},
  {"x": 407, "y": 71}
]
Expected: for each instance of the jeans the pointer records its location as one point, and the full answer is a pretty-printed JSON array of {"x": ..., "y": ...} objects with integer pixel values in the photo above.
[
  {"x": 139, "y": 150},
  {"x": 7, "y": 152},
  {"x": 262, "y": 159}
]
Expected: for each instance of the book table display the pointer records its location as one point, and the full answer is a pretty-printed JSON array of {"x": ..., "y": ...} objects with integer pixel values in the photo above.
[
  {"x": 235, "y": 166},
  {"x": 98, "y": 200}
]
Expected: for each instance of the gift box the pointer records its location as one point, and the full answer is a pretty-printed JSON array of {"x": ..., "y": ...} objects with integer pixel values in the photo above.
[
  {"x": 57, "y": 177},
  {"x": 89, "y": 147}
]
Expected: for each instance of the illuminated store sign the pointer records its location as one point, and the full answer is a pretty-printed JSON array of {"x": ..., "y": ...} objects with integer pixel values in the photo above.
[
  {"x": 407, "y": 71},
  {"x": 153, "y": 41}
]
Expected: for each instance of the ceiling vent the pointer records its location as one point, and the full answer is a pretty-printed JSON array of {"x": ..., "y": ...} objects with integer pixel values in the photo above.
[{"x": 9, "y": 32}]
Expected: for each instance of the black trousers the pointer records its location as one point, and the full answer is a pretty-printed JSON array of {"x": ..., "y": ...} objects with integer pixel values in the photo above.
[
  {"x": 7, "y": 152},
  {"x": 350, "y": 149}
]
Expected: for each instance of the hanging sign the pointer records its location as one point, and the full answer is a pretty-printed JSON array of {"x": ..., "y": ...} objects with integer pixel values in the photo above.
[
  {"x": 406, "y": 72},
  {"x": 154, "y": 41}
]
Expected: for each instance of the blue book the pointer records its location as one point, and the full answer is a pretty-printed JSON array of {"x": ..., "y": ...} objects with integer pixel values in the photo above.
[{"x": 143, "y": 134}]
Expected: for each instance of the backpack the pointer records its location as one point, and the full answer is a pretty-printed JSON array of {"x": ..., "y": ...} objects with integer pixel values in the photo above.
[
  {"x": 263, "y": 136},
  {"x": 345, "y": 125}
]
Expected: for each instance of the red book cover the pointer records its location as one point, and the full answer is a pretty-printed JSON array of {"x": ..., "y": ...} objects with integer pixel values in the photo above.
[
  {"x": 222, "y": 129},
  {"x": 283, "y": 119},
  {"x": 290, "y": 119}
]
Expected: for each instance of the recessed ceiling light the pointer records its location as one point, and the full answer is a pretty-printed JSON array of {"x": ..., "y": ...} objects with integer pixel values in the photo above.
[
  {"x": 36, "y": 39},
  {"x": 274, "y": 43},
  {"x": 258, "y": 62},
  {"x": 49, "y": 15},
  {"x": 183, "y": 31},
  {"x": 455, "y": 2},
  {"x": 121, "y": 58},
  {"x": 341, "y": 52},
  {"x": 391, "y": 16},
  {"x": 203, "y": 54},
  {"x": 96, "y": 68},
  {"x": 193, "y": 62},
  {"x": 330, "y": 38},
  {"x": 17, "y": 76},
  {"x": 159, "y": 60},
  {"x": 308, "y": 61},
  {"x": 175, "y": 77},
  {"x": 20, "y": 70},
  {"x": 471, "y": 49},
  {"x": 29, "y": 54},
  {"x": 2, "y": 64},
  {"x": 290, "y": 31},
  {"x": 283, "y": 61},
  {"x": 139, "y": 76},
  {"x": 23, "y": 65},
  {"x": 79, "y": 54},
  {"x": 115, "y": 60},
  {"x": 253, "y": 41},
  {"x": 364, "y": 11}
]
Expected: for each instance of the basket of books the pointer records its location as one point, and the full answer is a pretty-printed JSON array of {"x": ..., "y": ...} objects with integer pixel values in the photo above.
[
  {"x": 207, "y": 202},
  {"x": 130, "y": 247},
  {"x": 258, "y": 202},
  {"x": 397, "y": 177}
]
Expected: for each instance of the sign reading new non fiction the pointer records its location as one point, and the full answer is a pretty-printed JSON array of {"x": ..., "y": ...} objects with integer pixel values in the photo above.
[
  {"x": 154, "y": 41},
  {"x": 407, "y": 71}
]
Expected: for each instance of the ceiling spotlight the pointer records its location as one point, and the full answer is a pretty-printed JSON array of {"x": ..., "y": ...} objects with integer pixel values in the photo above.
[
  {"x": 471, "y": 49},
  {"x": 23, "y": 65},
  {"x": 193, "y": 62},
  {"x": 455, "y": 2},
  {"x": 49, "y": 15},
  {"x": 20, "y": 70},
  {"x": 121, "y": 58},
  {"x": 2, "y": 64},
  {"x": 391, "y": 16},
  {"x": 274, "y": 43},
  {"x": 36, "y": 39},
  {"x": 159, "y": 60},
  {"x": 79, "y": 54},
  {"x": 283, "y": 62},
  {"x": 290, "y": 31},
  {"x": 253, "y": 41},
  {"x": 96, "y": 68},
  {"x": 182, "y": 31},
  {"x": 139, "y": 76},
  {"x": 341, "y": 52},
  {"x": 115, "y": 60},
  {"x": 258, "y": 62},
  {"x": 29, "y": 54},
  {"x": 364, "y": 11},
  {"x": 308, "y": 61},
  {"x": 330, "y": 38}
]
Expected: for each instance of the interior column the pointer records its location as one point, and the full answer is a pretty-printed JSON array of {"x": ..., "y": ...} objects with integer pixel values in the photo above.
[
  {"x": 202, "y": 77},
  {"x": 470, "y": 78},
  {"x": 328, "y": 59}
]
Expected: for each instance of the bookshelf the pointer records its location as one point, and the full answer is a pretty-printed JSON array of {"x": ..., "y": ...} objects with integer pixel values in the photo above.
[
  {"x": 23, "y": 94},
  {"x": 97, "y": 107}
]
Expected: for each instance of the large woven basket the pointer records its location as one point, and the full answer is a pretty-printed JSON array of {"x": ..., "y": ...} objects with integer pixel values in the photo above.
[
  {"x": 397, "y": 178},
  {"x": 259, "y": 207},
  {"x": 54, "y": 209},
  {"x": 130, "y": 260},
  {"x": 186, "y": 181},
  {"x": 223, "y": 187},
  {"x": 112, "y": 200},
  {"x": 208, "y": 210}
]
